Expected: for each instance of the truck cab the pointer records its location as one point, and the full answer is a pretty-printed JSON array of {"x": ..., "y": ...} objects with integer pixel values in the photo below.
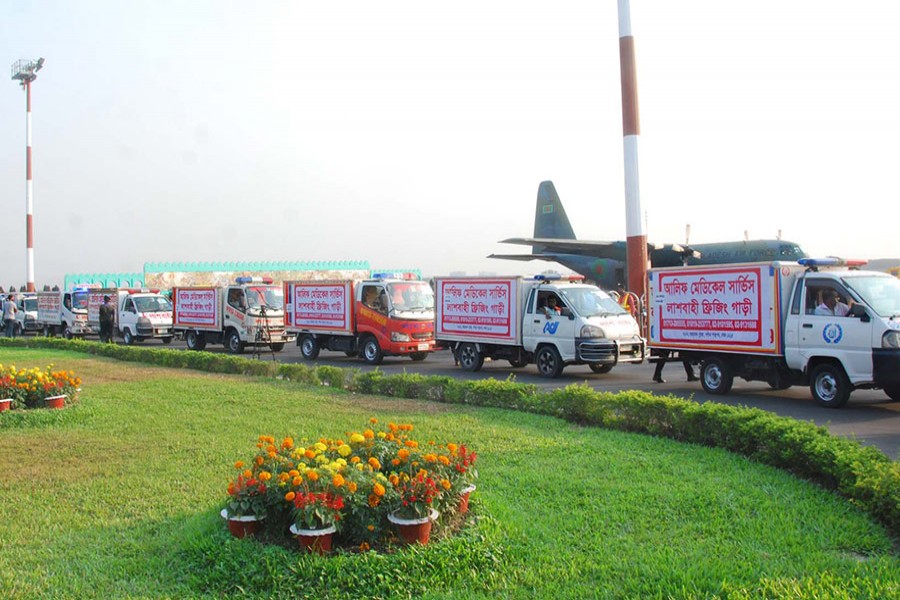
[
  {"x": 144, "y": 315},
  {"x": 852, "y": 344},
  {"x": 26, "y": 316},
  {"x": 394, "y": 317}
]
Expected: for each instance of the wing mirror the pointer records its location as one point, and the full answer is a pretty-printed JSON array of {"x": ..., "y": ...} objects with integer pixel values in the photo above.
[{"x": 858, "y": 310}]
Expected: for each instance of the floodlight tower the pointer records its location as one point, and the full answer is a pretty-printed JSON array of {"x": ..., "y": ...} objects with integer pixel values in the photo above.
[{"x": 25, "y": 71}]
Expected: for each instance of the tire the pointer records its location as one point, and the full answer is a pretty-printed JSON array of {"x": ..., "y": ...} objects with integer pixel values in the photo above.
[
  {"x": 67, "y": 333},
  {"x": 518, "y": 363},
  {"x": 233, "y": 342},
  {"x": 548, "y": 361},
  {"x": 418, "y": 356},
  {"x": 716, "y": 376},
  {"x": 277, "y": 347},
  {"x": 351, "y": 353},
  {"x": 893, "y": 392},
  {"x": 829, "y": 385},
  {"x": 371, "y": 351},
  {"x": 309, "y": 347},
  {"x": 601, "y": 368},
  {"x": 167, "y": 340},
  {"x": 128, "y": 337},
  {"x": 195, "y": 340},
  {"x": 470, "y": 359}
]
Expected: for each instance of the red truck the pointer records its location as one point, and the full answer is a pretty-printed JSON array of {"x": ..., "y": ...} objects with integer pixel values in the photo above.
[{"x": 383, "y": 316}]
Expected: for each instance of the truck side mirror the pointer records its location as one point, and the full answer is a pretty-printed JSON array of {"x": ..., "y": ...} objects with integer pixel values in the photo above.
[{"x": 858, "y": 310}]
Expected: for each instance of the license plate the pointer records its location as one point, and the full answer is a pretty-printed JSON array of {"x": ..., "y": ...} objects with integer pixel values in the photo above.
[{"x": 423, "y": 346}]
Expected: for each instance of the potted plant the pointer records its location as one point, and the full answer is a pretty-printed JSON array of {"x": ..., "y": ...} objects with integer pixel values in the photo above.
[
  {"x": 415, "y": 512},
  {"x": 246, "y": 507},
  {"x": 462, "y": 474},
  {"x": 318, "y": 502},
  {"x": 33, "y": 387}
]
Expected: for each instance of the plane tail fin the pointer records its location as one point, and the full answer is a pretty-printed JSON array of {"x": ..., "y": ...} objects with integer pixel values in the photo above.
[{"x": 550, "y": 220}]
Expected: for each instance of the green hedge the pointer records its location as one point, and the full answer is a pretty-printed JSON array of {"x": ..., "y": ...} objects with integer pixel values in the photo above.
[{"x": 863, "y": 474}]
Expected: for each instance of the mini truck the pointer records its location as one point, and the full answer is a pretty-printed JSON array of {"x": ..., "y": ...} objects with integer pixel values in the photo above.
[
  {"x": 509, "y": 318},
  {"x": 248, "y": 313},
  {"x": 372, "y": 318},
  {"x": 766, "y": 322},
  {"x": 64, "y": 313},
  {"x": 140, "y": 314}
]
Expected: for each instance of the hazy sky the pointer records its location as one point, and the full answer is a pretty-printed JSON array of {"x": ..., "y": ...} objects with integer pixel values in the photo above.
[{"x": 415, "y": 134}]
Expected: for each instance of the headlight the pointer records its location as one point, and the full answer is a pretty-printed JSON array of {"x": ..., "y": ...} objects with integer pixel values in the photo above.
[
  {"x": 399, "y": 337},
  {"x": 144, "y": 322},
  {"x": 591, "y": 331},
  {"x": 890, "y": 339}
]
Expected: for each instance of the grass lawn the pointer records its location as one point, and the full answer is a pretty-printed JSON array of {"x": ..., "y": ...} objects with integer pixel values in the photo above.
[{"x": 119, "y": 496}]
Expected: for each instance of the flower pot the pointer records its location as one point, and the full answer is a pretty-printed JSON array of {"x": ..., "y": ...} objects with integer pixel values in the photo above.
[
  {"x": 5, "y": 404},
  {"x": 241, "y": 527},
  {"x": 414, "y": 531},
  {"x": 464, "y": 499},
  {"x": 55, "y": 401},
  {"x": 314, "y": 540}
]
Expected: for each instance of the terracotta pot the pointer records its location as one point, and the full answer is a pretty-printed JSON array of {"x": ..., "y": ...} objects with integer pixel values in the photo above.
[
  {"x": 316, "y": 541},
  {"x": 464, "y": 499},
  {"x": 241, "y": 527},
  {"x": 55, "y": 402},
  {"x": 5, "y": 404},
  {"x": 414, "y": 531}
]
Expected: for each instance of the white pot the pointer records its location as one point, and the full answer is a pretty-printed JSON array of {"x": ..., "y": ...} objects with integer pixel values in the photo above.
[
  {"x": 313, "y": 532},
  {"x": 243, "y": 519},
  {"x": 467, "y": 490},
  {"x": 432, "y": 516}
]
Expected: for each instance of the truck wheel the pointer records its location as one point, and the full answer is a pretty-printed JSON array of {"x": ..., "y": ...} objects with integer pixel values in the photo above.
[
  {"x": 829, "y": 385},
  {"x": 418, "y": 356},
  {"x": 128, "y": 337},
  {"x": 309, "y": 347},
  {"x": 600, "y": 368},
  {"x": 277, "y": 347},
  {"x": 67, "y": 333},
  {"x": 548, "y": 362},
  {"x": 716, "y": 376},
  {"x": 893, "y": 391},
  {"x": 371, "y": 351},
  {"x": 194, "y": 340},
  {"x": 167, "y": 340},
  {"x": 470, "y": 359},
  {"x": 233, "y": 342},
  {"x": 518, "y": 363}
]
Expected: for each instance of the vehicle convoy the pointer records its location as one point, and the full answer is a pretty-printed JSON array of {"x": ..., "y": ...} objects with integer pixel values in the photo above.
[
  {"x": 249, "y": 312},
  {"x": 770, "y": 322},
  {"x": 64, "y": 313},
  {"x": 511, "y": 318},
  {"x": 26, "y": 316},
  {"x": 383, "y": 316},
  {"x": 140, "y": 314}
]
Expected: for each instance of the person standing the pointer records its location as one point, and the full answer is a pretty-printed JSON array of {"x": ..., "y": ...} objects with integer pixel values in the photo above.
[
  {"x": 9, "y": 316},
  {"x": 107, "y": 320},
  {"x": 661, "y": 362}
]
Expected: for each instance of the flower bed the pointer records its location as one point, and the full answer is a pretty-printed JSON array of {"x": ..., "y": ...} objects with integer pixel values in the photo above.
[
  {"x": 29, "y": 387},
  {"x": 351, "y": 483}
]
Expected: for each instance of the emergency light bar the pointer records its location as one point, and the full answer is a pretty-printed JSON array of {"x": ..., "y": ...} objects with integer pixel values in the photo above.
[
  {"x": 247, "y": 279},
  {"x": 393, "y": 275},
  {"x": 830, "y": 261},
  {"x": 552, "y": 277}
]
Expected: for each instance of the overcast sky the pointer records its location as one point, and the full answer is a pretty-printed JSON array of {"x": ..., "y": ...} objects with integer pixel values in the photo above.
[{"x": 415, "y": 134}]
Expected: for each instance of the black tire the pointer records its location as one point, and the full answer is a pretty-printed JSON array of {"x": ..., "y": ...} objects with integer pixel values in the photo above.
[
  {"x": 233, "y": 342},
  {"x": 351, "y": 353},
  {"x": 716, "y": 376},
  {"x": 277, "y": 346},
  {"x": 128, "y": 337},
  {"x": 470, "y": 359},
  {"x": 371, "y": 351},
  {"x": 893, "y": 391},
  {"x": 829, "y": 385},
  {"x": 601, "y": 368},
  {"x": 518, "y": 363},
  {"x": 167, "y": 340},
  {"x": 67, "y": 333},
  {"x": 195, "y": 340},
  {"x": 309, "y": 347},
  {"x": 418, "y": 356},
  {"x": 548, "y": 361}
]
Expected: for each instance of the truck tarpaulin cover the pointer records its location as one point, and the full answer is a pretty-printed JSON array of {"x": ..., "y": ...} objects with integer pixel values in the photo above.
[
  {"x": 323, "y": 305},
  {"x": 714, "y": 306},
  {"x": 196, "y": 307},
  {"x": 485, "y": 307}
]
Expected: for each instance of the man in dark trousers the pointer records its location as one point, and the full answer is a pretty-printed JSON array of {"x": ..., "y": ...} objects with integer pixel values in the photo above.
[
  {"x": 107, "y": 320},
  {"x": 661, "y": 362}
]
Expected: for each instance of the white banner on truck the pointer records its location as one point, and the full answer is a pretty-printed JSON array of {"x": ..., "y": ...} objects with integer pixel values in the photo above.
[
  {"x": 485, "y": 307},
  {"x": 196, "y": 307},
  {"x": 320, "y": 305}
]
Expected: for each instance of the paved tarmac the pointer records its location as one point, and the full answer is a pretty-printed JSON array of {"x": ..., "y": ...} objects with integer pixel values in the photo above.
[{"x": 870, "y": 416}]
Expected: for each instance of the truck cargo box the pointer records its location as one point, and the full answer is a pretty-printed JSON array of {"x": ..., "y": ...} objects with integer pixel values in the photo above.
[
  {"x": 319, "y": 306},
  {"x": 197, "y": 308},
  {"x": 482, "y": 309}
]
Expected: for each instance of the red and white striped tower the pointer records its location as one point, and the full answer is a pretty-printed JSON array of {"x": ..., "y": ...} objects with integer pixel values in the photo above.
[
  {"x": 634, "y": 226},
  {"x": 26, "y": 72}
]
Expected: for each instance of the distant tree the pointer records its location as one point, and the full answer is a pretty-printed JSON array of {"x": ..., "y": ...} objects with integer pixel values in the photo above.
[
  {"x": 46, "y": 288},
  {"x": 22, "y": 288},
  {"x": 55, "y": 288}
]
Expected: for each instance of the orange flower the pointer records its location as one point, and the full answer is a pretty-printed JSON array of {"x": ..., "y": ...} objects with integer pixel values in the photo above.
[
  {"x": 287, "y": 443},
  {"x": 373, "y": 462},
  {"x": 412, "y": 443},
  {"x": 296, "y": 481},
  {"x": 265, "y": 476},
  {"x": 289, "y": 496},
  {"x": 337, "y": 480},
  {"x": 394, "y": 479},
  {"x": 373, "y": 420},
  {"x": 239, "y": 464},
  {"x": 451, "y": 448},
  {"x": 310, "y": 454},
  {"x": 312, "y": 475},
  {"x": 369, "y": 434},
  {"x": 260, "y": 460},
  {"x": 443, "y": 460},
  {"x": 352, "y": 487},
  {"x": 445, "y": 484},
  {"x": 354, "y": 460},
  {"x": 378, "y": 489},
  {"x": 403, "y": 454},
  {"x": 374, "y": 500}
]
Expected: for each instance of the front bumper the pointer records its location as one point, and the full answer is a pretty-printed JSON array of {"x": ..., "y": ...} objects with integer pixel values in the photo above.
[
  {"x": 886, "y": 366},
  {"x": 609, "y": 352}
]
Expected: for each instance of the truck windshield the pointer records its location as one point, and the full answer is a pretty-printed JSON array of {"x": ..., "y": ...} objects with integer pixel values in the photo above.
[
  {"x": 80, "y": 300},
  {"x": 30, "y": 304},
  {"x": 411, "y": 295},
  {"x": 591, "y": 301},
  {"x": 880, "y": 292},
  {"x": 152, "y": 304},
  {"x": 270, "y": 296}
]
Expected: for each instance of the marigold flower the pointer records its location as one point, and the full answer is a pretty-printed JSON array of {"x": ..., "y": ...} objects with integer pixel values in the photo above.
[
  {"x": 287, "y": 443},
  {"x": 248, "y": 473},
  {"x": 260, "y": 460},
  {"x": 374, "y": 500},
  {"x": 369, "y": 434},
  {"x": 282, "y": 477},
  {"x": 296, "y": 481},
  {"x": 239, "y": 464},
  {"x": 289, "y": 496},
  {"x": 373, "y": 462},
  {"x": 394, "y": 479},
  {"x": 412, "y": 443},
  {"x": 443, "y": 460},
  {"x": 345, "y": 450},
  {"x": 293, "y": 472},
  {"x": 445, "y": 483},
  {"x": 337, "y": 480},
  {"x": 321, "y": 447},
  {"x": 265, "y": 476},
  {"x": 364, "y": 547},
  {"x": 451, "y": 448},
  {"x": 430, "y": 458},
  {"x": 357, "y": 438},
  {"x": 370, "y": 527},
  {"x": 354, "y": 460},
  {"x": 312, "y": 475},
  {"x": 403, "y": 454},
  {"x": 378, "y": 489},
  {"x": 352, "y": 487},
  {"x": 310, "y": 454}
]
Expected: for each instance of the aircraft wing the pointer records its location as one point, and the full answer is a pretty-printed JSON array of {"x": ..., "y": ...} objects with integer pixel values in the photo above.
[
  {"x": 665, "y": 254},
  {"x": 525, "y": 257}
]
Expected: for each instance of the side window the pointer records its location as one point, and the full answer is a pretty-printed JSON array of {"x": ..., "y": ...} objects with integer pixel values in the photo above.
[
  {"x": 236, "y": 298},
  {"x": 798, "y": 297},
  {"x": 529, "y": 307},
  {"x": 67, "y": 301},
  {"x": 129, "y": 305}
]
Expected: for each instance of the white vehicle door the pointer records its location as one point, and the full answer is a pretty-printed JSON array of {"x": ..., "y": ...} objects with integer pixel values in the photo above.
[
  {"x": 845, "y": 338},
  {"x": 128, "y": 316},
  {"x": 544, "y": 323}
]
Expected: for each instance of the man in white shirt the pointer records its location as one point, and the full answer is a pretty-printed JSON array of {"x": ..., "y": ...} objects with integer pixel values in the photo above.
[{"x": 831, "y": 306}]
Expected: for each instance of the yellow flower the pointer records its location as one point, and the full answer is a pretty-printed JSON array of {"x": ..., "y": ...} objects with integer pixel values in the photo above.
[
  {"x": 320, "y": 447},
  {"x": 357, "y": 438},
  {"x": 345, "y": 450}
]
